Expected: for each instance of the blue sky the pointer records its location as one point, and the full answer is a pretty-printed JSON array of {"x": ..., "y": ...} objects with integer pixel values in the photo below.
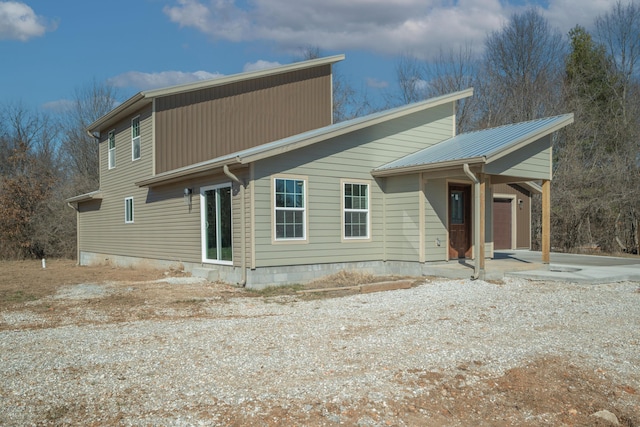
[{"x": 49, "y": 48}]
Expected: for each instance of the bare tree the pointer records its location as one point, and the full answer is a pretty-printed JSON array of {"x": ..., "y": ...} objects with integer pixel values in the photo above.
[
  {"x": 348, "y": 102},
  {"x": 411, "y": 79},
  {"x": 619, "y": 31},
  {"x": 28, "y": 179},
  {"x": 522, "y": 70},
  {"x": 90, "y": 102},
  {"x": 452, "y": 71}
]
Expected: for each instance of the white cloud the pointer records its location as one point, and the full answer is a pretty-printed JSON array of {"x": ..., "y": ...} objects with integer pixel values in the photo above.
[
  {"x": 145, "y": 81},
  {"x": 19, "y": 22},
  {"x": 260, "y": 65},
  {"x": 566, "y": 14},
  {"x": 59, "y": 106},
  {"x": 404, "y": 26},
  {"x": 376, "y": 83}
]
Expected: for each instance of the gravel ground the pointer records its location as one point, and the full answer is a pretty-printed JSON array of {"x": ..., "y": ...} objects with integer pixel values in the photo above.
[{"x": 262, "y": 352}]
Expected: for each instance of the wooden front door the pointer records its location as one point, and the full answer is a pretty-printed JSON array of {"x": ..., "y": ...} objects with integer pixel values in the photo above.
[{"x": 459, "y": 221}]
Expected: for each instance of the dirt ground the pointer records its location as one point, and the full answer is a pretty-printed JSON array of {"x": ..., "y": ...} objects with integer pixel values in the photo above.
[{"x": 549, "y": 391}]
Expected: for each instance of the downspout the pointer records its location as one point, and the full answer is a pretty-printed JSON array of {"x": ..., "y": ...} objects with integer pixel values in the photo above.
[
  {"x": 476, "y": 219},
  {"x": 243, "y": 232}
]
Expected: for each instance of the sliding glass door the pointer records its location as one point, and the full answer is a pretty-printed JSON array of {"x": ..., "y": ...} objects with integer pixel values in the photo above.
[{"x": 217, "y": 236}]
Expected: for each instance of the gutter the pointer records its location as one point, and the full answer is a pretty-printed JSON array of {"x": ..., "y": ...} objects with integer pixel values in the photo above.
[
  {"x": 476, "y": 219},
  {"x": 243, "y": 232}
]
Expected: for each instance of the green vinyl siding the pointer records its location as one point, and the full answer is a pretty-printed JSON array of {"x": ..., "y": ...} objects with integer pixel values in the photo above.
[
  {"x": 351, "y": 156},
  {"x": 165, "y": 226},
  {"x": 532, "y": 162},
  {"x": 435, "y": 220},
  {"x": 104, "y": 230},
  {"x": 403, "y": 217}
]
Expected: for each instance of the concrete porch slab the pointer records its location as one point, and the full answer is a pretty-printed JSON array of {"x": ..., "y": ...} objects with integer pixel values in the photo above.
[{"x": 588, "y": 269}]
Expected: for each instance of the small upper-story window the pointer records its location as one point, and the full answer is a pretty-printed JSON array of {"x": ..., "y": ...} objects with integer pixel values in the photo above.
[
  {"x": 112, "y": 149},
  {"x": 135, "y": 138}
]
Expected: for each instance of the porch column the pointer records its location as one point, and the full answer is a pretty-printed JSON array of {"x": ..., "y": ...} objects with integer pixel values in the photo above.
[
  {"x": 483, "y": 207},
  {"x": 546, "y": 221}
]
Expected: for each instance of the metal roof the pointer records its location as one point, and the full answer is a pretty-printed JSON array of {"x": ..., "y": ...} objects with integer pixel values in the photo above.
[
  {"x": 302, "y": 140},
  {"x": 481, "y": 146},
  {"x": 143, "y": 98}
]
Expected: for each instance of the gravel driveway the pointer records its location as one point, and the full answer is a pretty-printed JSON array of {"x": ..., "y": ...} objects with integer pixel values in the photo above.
[{"x": 252, "y": 354}]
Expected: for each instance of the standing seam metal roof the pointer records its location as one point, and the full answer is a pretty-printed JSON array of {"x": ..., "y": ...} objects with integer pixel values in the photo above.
[{"x": 480, "y": 144}]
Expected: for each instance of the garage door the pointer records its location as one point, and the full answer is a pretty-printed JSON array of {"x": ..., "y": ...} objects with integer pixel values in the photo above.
[{"x": 502, "y": 223}]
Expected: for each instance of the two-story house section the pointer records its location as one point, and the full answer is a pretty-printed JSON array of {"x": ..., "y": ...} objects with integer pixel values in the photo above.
[{"x": 246, "y": 177}]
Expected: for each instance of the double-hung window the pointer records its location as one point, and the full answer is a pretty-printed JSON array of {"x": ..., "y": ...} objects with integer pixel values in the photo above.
[
  {"x": 128, "y": 210},
  {"x": 112, "y": 149},
  {"x": 356, "y": 210},
  {"x": 135, "y": 138},
  {"x": 290, "y": 212}
]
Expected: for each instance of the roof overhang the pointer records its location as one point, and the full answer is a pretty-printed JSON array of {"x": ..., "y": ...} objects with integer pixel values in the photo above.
[
  {"x": 144, "y": 98},
  {"x": 431, "y": 167},
  {"x": 565, "y": 120},
  {"x": 188, "y": 172},
  {"x": 94, "y": 195},
  {"x": 127, "y": 108},
  {"x": 531, "y": 186},
  {"x": 450, "y": 150}
]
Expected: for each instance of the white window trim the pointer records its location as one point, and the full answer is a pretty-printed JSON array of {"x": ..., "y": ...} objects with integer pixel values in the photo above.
[
  {"x": 126, "y": 210},
  {"x": 133, "y": 140},
  {"x": 304, "y": 210},
  {"x": 203, "y": 228},
  {"x": 343, "y": 210},
  {"x": 111, "y": 152}
]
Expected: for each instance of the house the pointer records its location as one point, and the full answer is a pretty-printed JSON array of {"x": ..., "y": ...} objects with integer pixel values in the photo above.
[{"x": 246, "y": 179}]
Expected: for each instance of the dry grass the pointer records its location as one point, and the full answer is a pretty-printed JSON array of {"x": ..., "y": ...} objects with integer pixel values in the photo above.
[{"x": 344, "y": 278}]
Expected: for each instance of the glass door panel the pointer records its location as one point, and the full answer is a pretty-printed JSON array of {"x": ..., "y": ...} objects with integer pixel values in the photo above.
[{"x": 217, "y": 234}]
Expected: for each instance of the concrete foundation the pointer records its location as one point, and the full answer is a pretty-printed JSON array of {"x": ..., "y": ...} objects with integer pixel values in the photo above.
[{"x": 269, "y": 276}]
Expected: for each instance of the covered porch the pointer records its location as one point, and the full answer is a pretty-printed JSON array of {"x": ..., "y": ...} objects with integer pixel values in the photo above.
[{"x": 468, "y": 165}]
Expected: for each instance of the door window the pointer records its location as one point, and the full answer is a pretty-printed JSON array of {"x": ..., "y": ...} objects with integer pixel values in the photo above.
[{"x": 457, "y": 207}]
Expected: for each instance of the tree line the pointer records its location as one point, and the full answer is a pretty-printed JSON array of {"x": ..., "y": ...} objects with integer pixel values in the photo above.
[
  {"x": 44, "y": 159},
  {"x": 527, "y": 70}
]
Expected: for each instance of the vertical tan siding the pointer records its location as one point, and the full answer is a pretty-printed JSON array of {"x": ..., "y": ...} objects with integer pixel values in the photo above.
[
  {"x": 523, "y": 215},
  {"x": 201, "y": 125}
]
